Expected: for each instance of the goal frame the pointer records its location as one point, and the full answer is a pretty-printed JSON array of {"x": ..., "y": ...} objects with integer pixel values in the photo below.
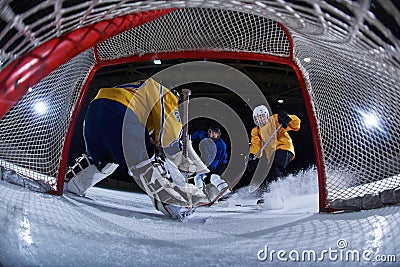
[{"x": 29, "y": 69}]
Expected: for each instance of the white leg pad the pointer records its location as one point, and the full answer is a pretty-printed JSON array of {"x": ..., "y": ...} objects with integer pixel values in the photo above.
[
  {"x": 168, "y": 187},
  {"x": 88, "y": 177},
  {"x": 164, "y": 185},
  {"x": 192, "y": 190},
  {"x": 155, "y": 180}
]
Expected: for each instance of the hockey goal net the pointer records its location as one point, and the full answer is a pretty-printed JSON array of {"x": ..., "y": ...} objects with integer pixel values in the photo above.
[{"x": 346, "y": 55}]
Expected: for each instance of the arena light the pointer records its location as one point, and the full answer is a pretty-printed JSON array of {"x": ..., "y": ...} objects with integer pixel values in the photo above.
[
  {"x": 40, "y": 107},
  {"x": 280, "y": 101},
  {"x": 370, "y": 120},
  {"x": 157, "y": 62}
]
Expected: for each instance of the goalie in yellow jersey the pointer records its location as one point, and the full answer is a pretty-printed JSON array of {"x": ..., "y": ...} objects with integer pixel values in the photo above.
[{"x": 118, "y": 124}]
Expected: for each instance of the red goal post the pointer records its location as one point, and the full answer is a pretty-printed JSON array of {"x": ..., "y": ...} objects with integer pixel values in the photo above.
[{"x": 354, "y": 163}]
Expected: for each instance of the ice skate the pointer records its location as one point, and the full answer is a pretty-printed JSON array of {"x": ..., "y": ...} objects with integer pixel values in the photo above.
[
  {"x": 174, "y": 211},
  {"x": 220, "y": 184},
  {"x": 260, "y": 202},
  {"x": 215, "y": 190}
]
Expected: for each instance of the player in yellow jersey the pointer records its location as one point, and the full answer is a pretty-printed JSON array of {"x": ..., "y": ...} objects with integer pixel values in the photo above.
[
  {"x": 283, "y": 145},
  {"x": 117, "y": 130}
]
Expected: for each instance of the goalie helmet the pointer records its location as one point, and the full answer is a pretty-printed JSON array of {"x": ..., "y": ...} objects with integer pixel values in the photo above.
[{"x": 260, "y": 115}]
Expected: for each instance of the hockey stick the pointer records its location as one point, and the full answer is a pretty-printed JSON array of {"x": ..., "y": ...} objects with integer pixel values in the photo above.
[
  {"x": 185, "y": 122},
  {"x": 266, "y": 143},
  {"x": 185, "y": 133}
]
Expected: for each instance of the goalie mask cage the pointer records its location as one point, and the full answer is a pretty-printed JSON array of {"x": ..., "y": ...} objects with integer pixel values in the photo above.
[{"x": 346, "y": 55}]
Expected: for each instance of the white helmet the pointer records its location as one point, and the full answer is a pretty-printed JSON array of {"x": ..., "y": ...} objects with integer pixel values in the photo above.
[{"x": 260, "y": 115}]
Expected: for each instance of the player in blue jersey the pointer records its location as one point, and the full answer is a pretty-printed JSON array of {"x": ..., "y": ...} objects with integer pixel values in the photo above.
[{"x": 213, "y": 151}]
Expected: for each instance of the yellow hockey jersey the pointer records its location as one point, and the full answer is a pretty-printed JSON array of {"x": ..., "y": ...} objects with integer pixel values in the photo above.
[
  {"x": 155, "y": 106},
  {"x": 283, "y": 140}
]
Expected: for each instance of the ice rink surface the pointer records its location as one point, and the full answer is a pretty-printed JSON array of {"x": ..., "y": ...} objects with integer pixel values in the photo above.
[{"x": 116, "y": 228}]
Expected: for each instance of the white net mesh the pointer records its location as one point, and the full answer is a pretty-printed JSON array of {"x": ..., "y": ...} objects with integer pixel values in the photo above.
[
  {"x": 198, "y": 29},
  {"x": 348, "y": 53},
  {"x": 33, "y": 132}
]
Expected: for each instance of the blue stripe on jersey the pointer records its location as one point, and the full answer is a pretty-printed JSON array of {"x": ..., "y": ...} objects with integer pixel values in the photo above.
[
  {"x": 180, "y": 139},
  {"x": 135, "y": 86},
  {"x": 161, "y": 116}
]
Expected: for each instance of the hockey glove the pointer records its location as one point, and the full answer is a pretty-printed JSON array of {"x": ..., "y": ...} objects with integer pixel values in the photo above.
[
  {"x": 252, "y": 163},
  {"x": 283, "y": 118}
]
